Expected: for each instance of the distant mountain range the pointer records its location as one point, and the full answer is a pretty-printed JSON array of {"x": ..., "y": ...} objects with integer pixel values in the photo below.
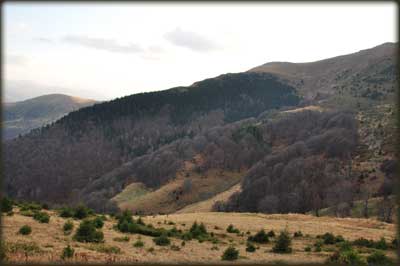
[
  {"x": 296, "y": 137},
  {"x": 21, "y": 117}
]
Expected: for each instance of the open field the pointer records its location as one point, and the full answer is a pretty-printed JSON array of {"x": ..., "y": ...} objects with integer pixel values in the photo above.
[{"x": 46, "y": 241}]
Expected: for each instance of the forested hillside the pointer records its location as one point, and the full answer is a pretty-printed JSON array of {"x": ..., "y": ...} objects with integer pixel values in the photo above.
[
  {"x": 297, "y": 137},
  {"x": 62, "y": 159}
]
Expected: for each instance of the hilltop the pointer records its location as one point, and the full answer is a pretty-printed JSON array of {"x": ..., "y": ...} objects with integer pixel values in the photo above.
[{"x": 21, "y": 117}]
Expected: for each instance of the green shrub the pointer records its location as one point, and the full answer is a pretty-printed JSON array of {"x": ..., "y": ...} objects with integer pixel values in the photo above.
[
  {"x": 271, "y": 233},
  {"x": 68, "y": 226},
  {"x": 347, "y": 257},
  {"x": 283, "y": 243},
  {"x": 28, "y": 213},
  {"x": 183, "y": 243},
  {"x": 25, "y": 230},
  {"x": 98, "y": 222},
  {"x": 318, "y": 246},
  {"x": 126, "y": 224},
  {"x": 197, "y": 231},
  {"x": 381, "y": 244},
  {"x": 140, "y": 221},
  {"x": 230, "y": 254},
  {"x": 378, "y": 258},
  {"x": 162, "y": 240},
  {"x": 346, "y": 245},
  {"x": 259, "y": 237},
  {"x": 151, "y": 250},
  {"x": 105, "y": 248},
  {"x": 67, "y": 252},
  {"x": 41, "y": 217},
  {"x": 298, "y": 234},
  {"x": 362, "y": 242},
  {"x": 121, "y": 239},
  {"x": 307, "y": 249},
  {"x": 30, "y": 206},
  {"x": 339, "y": 239},
  {"x": 250, "y": 247},
  {"x": 66, "y": 212},
  {"x": 138, "y": 244},
  {"x": 6, "y": 205},
  {"x": 232, "y": 229},
  {"x": 329, "y": 238},
  {"x": 81, "y": 212},
  {"x": 87, "y": 232},
  {"x": 3, "y": 255}
]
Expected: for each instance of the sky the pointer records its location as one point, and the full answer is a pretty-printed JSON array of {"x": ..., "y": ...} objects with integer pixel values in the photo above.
[{"x": 108, "y": 50}]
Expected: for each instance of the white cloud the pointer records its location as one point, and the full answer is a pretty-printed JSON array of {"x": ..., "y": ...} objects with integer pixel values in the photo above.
[
  {"x": 191, "y": 40},
  {"x": 110, "y": 45}
]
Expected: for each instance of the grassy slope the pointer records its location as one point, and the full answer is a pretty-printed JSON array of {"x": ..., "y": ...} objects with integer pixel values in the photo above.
[
  {"x": 206, "y": 205},
  {"x": 49, "y": 238},
  {"x": 357, "y": 210}
]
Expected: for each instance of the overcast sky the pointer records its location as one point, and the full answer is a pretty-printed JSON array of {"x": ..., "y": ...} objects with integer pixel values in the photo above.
[{"x": 103, "y": 51}]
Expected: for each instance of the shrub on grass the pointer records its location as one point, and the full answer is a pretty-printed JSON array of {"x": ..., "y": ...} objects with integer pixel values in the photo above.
[
  {"x": 378, "y": 258},
  {"x": 6, "y": 205},
  {"x": 28, "y": 213},
  {"x": 138, "y": 244},
  {"x": 339, "y": 239},
  {"x": 87, "y": 232},
  {"x": 346, "y": 257},
  {"x": 68, "y": 226},
  {"x": 307, "y": 249},
  {"x": 318, "y": 246},
  {"x": 250, "y": 247},
  {"x": 25, "y": 230},
  {"x": 230, "y": 253},
  {"x": 98, "y": 222},
  {"x": 81, "y": 212},
  {"x": 329, "y": 238},
  {"x": 260, "y": 237},
  {"x": 232, "y": 229},
  {"x": 105, "y": 248},
  {"x": 198, "y": 230},
  {"x": 271, "y": 233},
  {"x": 41, "y": 217},
  {"x": 298, "y": 234},
  {"x": 363, "y": 242},
  {"x": 30, "y": 206},
  {"x": 121, "y": 239},
  {"x": 381, "y": 244},
  {"x": 283, "y": 243},
  {"x": 162, "y": 240},
  {"x": 66, "y": 212},
  {"x": 67, "y": 252}
]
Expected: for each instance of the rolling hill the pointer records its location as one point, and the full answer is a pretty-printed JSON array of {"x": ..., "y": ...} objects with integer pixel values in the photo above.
[
  {"x": 256, "y": 129},
  {"x": 21, "y": 117}
]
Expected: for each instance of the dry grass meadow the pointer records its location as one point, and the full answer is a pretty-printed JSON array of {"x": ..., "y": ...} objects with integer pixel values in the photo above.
[{"x": 46, "y": 242}]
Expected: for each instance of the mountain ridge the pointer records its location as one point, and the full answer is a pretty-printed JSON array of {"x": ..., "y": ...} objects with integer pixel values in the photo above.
[{"x": 23, "y": 116}]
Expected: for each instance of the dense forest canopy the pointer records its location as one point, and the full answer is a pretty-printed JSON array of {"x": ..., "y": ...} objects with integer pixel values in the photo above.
[{"x": 61, "y": 159}]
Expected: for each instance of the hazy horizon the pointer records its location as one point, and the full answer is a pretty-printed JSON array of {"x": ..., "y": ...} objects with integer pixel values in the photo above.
[{"x": 105, "y": 51}]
